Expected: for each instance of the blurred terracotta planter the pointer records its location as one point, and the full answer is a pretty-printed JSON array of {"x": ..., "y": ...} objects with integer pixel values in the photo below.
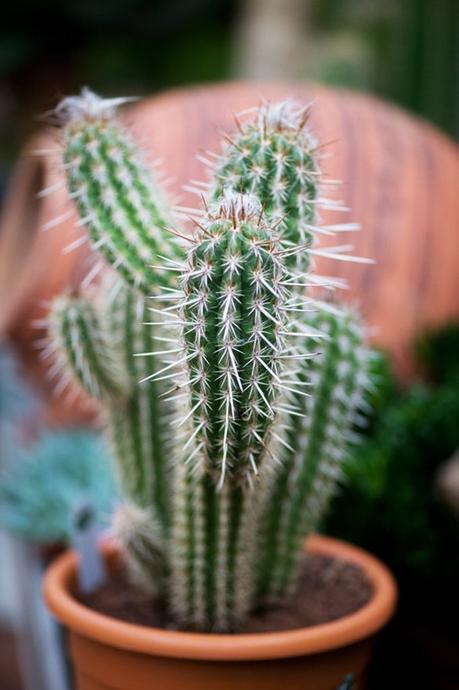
[{"x": 109, "y": 654}]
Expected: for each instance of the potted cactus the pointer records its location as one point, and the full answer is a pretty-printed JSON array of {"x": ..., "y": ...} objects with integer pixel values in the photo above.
[{"x": 230, "y": 393}]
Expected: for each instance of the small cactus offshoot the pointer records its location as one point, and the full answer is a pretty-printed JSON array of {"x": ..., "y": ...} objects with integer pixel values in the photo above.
[{"x": 230, "y": 437}]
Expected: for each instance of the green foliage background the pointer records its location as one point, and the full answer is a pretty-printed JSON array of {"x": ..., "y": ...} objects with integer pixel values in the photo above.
[
  {"x": 391, "y": 506},
  {"x": 396, "y": 509}
]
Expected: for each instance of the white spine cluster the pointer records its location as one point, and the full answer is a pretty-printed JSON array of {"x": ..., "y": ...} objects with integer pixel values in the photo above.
[{"x": 88, "y": 105}]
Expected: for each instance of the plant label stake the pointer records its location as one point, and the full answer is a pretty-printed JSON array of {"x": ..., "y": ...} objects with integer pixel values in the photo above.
[{"x": 91, "y": 569}]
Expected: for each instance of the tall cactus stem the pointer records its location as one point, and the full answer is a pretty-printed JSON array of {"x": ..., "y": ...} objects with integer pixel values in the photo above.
[
  {"x": 303, "y": 486},
  {"x": 234, "y": 318}
]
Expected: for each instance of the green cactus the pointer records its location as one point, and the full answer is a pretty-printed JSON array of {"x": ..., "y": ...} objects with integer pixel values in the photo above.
[
  {"x": 117, "y": 199},
  {"x": 98, "y": 339},
  {"x": 82, "y": 349},
  {"x": 234, "y": 316},
  {"x": 299, "y": 492},
  {"x": 229, "y": 439},
  {"x": 95, "y": 341},
  {"x": 235, "y": 333},
  {"x": 276, "y": 157}
]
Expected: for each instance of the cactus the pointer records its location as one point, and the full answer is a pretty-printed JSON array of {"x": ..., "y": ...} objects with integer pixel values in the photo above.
[
  {"x": 97, "y": 342},
  {"x": 299, "y": 492},
  {"x": 276, "y": 157},
  {"x": 229, "y": 439},
  {"x": 117, "y": 199},
  {"x": 97, "y": 338},
  {"x": 235, "y": 332}
]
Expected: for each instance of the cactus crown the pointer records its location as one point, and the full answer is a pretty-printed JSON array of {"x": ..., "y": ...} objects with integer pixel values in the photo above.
[{"x": 229, "y": 440}]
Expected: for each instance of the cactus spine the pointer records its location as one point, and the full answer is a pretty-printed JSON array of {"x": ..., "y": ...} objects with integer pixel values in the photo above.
[
  {"x": 300, "y": 491},
  {"x": 229, "y": 441}
]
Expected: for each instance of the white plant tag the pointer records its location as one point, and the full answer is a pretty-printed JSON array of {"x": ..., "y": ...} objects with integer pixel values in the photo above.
[{"x": 85, "y": 540}]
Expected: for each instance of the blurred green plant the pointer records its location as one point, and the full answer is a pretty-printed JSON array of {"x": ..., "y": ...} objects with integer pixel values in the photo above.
[
  {"x": 390, "y": 504},
  {"x": 397, "y": 511},
  {"x": 438, "y": 354},
  {"x": 42, "y": 486},
  {"x": 404, "y": 51}
]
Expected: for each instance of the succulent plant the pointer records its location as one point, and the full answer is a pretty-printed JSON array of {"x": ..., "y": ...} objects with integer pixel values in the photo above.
[
  {"x": 235, "y": 421},
  {"x": 42, "y": 486},
  {"x": 235, "y": 331}
]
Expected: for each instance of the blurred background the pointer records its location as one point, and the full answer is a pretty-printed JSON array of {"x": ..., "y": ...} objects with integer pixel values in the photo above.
[{"x": 402, "y": 50}]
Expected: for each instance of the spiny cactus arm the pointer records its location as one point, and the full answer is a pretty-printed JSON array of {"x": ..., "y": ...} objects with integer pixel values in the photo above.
[
  {"x": 81, "y": 350},
  {"x": 117, "y": 199},
  {"x": 234, "y": 319},
  {"x": 140, "y": 536},
  {"x": 187, "y": 549},
  {"x": 139, "y": 429},
  {"x": 301, "y": 490}
]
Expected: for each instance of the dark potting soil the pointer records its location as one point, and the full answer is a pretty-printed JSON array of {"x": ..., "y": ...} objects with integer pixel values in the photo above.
[{"x": 328, "y": 589}]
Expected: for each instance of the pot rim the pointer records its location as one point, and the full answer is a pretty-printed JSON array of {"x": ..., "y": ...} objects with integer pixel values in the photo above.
[{"x": 349, "y": 629}]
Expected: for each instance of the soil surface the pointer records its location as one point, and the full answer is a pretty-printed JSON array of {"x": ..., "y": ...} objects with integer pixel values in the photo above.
[{"x": 328, "y": 589}]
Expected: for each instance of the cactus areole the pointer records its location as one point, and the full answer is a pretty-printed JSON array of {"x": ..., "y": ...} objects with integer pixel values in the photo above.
[{"x": 229, "y": 386}]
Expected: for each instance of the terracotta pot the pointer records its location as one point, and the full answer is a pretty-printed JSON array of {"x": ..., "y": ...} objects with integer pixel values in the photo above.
[{"x": 110, "y": 654}]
